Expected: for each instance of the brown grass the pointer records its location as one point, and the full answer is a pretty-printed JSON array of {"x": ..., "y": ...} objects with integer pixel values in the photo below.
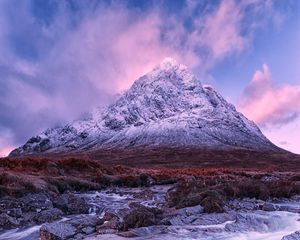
[{"x": 231, "y": 174}]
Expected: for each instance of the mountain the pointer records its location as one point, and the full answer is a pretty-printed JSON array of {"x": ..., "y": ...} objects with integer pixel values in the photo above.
[{"x": 167, "y": 107}]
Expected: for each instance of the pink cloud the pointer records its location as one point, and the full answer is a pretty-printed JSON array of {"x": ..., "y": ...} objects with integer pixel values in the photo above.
[
  {"x": 6, "y": 145},
  {"x": 286, "y": 137},
  {"x": 5, "y": 151},
  {"x": 222, "y": 30},
  {"x": 81, "y": 65},
  {"x": 268, "y": 104},
  {"x": 218, "y": 32}
]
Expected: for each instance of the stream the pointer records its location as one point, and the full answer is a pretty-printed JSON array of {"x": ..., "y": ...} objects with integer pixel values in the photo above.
[{"x": 244, "y": 223}]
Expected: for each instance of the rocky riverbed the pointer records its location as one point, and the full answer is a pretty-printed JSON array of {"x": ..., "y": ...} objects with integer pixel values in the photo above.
[
  {"x": 145, "y": 213},
  {"x": 81, "y": 198}
]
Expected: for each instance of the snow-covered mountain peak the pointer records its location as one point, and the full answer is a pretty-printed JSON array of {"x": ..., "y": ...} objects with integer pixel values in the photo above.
[
  {"x": 168, "y": 90},
  {"x": 166, "y": 107},
  {"x": 168, "y": 61},
  {"x": 178, "y": 74}
]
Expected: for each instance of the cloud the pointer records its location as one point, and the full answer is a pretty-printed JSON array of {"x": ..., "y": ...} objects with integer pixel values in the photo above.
[
  {"x": 222, "y": 31},
  {"x": 286, "y": 137},
  {"x": 269, "y": 104},
  {"x": 6, "y": 144},
  {"x": 63, "y": 60}
]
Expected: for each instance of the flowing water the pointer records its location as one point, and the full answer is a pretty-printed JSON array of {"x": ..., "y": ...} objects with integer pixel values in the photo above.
[{"x": 190, "y": 223}]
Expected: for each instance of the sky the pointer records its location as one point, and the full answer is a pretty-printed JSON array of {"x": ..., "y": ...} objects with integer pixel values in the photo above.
[{"x": 60, "y": 59}]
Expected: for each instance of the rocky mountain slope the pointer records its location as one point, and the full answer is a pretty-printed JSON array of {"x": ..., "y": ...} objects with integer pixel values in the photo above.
[{"x": 168, "y": 107}]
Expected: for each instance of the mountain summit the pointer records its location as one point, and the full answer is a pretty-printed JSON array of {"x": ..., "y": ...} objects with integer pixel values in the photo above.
[{"x": 167, "y": 107}]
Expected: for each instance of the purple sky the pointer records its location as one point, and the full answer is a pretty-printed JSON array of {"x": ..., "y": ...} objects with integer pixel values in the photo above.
[{"x": 60, "y": 59}]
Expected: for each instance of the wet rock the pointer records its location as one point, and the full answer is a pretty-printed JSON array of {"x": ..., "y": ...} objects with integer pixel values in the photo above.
[
  {"x": 293, "y": 236},
  {"x": 140, "y": 216},
  {"x": 245, "y": 204},
  {"x": 71, "y": 204},
  {"x": 214, "y": 218},
  {"x": 15, "y": 212},
  {"x": 177, "y": 220},
  {"x": 108, "y": 216},
  {"x": 128, "y": 234},
  {"x": 190, "y": 200},
  {"x": 213, "y": 203},
  {"x": 190, "y": 211},
  {"x": 109, "y": 224},
  {"x": 9, "y": 203},
  {"x": 108, "y": 236},
  {"x": 268, "y": 207},
  {"x": 79, "y": 236},
  {"x": 75, "y": 228},
  {"x": 57, "y": 231},
  {"x": 145, "y": 231},
  {"x": 48, "y": 215},
  {"x": 29, "y": 218},
  {"x": 84, "y": 222},
  {"x": 88, "y": 230},
  {"x": 7, "y": 221},
  {"x": 145, "y": 195},
  {"x": 181, "y": 216},
  {"x": 36, "y": 202}
]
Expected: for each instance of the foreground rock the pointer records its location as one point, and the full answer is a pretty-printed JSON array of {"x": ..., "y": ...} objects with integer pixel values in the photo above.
[
  {"x": 141, "y": 216},
  {"x": 75, "y": 228},
  {"x": 57, "y": 231},
  {"x": 110, "y": 223},
  {"x": 48, "y": 215},
  {"x": 7, "y": 221},
  {"x": 38, "y": 208},
  {"x": 71, "y": 204},
  {"x": 293, "y": 236}
]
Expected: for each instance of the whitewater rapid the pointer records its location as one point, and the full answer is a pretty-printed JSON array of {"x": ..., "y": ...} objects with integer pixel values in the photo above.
[{"x": 189, "y": 223}]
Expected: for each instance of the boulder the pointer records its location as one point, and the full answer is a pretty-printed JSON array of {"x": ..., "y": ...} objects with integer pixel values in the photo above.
[
  {"x": 15, "y": 212},
  {"x": 268, "y": 207},
  {"x": 36, "y": 202},
  {"x": 109, "y": 224},
  {"x": 293, "y": 236},
  {"x": 71, "y": 204},
  {"x": 145, "y": 195},
  {"x": 214, "y": 218},
  {"x": 84, "y": 222},
  {"x": 140, "y": 216},
  {"x": 212, "y": 204},
  {"x": 57, "y": 231},
  {"x": 48, "y": 215},
  {"x": 7, "y": 221}
]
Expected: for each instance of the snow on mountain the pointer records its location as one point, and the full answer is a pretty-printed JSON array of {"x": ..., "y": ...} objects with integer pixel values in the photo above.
[{"x": 166, "y": 107}]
